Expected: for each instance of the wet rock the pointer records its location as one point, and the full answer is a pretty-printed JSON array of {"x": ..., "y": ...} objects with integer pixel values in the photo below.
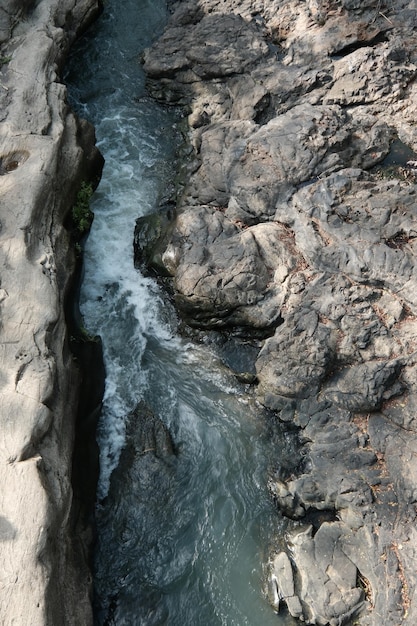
[
  {"x": 238, "y": 355},
  {"x": 143, "y": 487},
  {"x": 151, "y": 237},
  {"x": 146, "y": 433}
]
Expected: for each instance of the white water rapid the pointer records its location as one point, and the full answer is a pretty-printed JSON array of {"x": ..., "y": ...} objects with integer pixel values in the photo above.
[{"x": 186, "y": 550}]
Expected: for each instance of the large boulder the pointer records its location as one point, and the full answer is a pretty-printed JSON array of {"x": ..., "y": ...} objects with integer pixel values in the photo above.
[{"x": 232, "y": 277}]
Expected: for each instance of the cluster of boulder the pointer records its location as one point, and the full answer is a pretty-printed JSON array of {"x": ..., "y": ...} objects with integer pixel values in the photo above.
[{"x": 296, "y": 223}]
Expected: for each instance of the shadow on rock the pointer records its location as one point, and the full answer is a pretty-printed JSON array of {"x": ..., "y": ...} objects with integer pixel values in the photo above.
[{"x": 132, "y": 519}]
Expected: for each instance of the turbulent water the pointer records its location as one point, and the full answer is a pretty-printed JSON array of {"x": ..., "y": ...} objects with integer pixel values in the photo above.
[{"x": 179, "y": 543}]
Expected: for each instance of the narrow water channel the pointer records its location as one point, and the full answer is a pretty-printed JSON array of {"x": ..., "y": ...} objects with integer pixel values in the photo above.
[{"x": 184, "y": 545}]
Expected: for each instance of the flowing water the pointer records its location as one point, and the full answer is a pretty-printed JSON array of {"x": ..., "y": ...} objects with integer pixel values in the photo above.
[{"x": 179, "y": 543}]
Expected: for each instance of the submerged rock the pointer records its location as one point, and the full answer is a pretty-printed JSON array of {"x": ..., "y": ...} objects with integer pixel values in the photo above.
[
  {"x": 143, "y": 488},
  {"x": 147, "y": 433}
]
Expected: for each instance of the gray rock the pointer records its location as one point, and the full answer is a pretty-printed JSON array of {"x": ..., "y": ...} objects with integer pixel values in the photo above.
[
  {"x": 297, "y": 358},
  {"x": 356, "y": 83},
  {"x": 213, "y": 47},
  {"x": 152, "y": 234},
  {"x": 45, "y": 572},
  {"x": 327, "y": 577},
  {"x": 10, "y": 12},
  {"x": 226, "y": 275},
  {"x": 146, "y": 433},
  {"x": 364, "y": 387},
  {"x": 299, "y": 219},
  {"x": 281, "y": 578}
]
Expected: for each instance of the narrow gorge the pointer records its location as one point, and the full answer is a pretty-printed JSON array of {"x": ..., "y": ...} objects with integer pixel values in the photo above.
[
  {"x": 249, "y": 288},
  {"x": 182, "y": 518}
]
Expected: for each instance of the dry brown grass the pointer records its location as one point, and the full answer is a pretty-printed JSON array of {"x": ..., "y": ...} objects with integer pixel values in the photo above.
[{"x": 405, "y": 595}]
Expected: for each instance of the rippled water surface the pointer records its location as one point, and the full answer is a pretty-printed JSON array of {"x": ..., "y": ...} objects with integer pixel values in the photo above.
[{"x": 181, "y": 542}]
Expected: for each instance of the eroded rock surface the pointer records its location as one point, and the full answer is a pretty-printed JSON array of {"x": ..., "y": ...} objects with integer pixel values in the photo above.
[
  {"x": 45, "y": 153},
  {"x": 297, "y": 219}
]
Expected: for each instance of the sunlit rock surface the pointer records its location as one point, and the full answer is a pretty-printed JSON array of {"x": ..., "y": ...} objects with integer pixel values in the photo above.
[
  {"x": 44, "y": 154},
  {"x": 297, "y": 217}
]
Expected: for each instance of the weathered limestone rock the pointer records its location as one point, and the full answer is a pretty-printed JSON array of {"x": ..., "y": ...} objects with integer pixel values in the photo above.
[
  {"x": 298, "y": 219},
  {"x": 45, "y": 153},
  {"x": 282, "y": 585},
  {"x": 328, "y": 590}
]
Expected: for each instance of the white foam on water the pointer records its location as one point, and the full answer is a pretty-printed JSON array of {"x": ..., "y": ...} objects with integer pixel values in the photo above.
[
  {"x": 201, "y": 555},
  {"x": 122, "y": 306},
  {"x": 118, "y": 302}
]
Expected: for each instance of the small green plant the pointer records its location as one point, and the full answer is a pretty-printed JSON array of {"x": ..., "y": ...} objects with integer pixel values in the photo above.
[
  {"x": 82, "y": 335},
  {"x": 86, "y": 336},
  {"x": 78, "y": 250},
  {"x": 81, "y": 213},
  {"x": 4, "y": 60}
]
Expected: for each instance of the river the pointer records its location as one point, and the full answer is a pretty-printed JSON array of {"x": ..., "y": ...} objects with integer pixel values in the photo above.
[{"x": 192, "y": 552}]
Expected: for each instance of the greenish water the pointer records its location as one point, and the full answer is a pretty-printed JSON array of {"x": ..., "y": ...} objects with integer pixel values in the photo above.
[{"x": 180, "y": 543}]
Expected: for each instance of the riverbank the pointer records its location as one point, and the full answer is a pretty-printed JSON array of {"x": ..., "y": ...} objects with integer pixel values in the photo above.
[
  {"x": 297, "y": 222},
  {"x": 45, "y": 155}
]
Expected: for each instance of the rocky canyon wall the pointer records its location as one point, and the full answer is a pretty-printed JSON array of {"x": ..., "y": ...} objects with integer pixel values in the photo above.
[
  {"x": 296, "y": 224},
  {"x": 45, "y": 154}
]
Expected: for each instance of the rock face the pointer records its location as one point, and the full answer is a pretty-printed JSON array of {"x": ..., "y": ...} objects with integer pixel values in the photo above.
[
  {"x": 45, "y": 153},
  {"x": 297, "y": 219}
]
